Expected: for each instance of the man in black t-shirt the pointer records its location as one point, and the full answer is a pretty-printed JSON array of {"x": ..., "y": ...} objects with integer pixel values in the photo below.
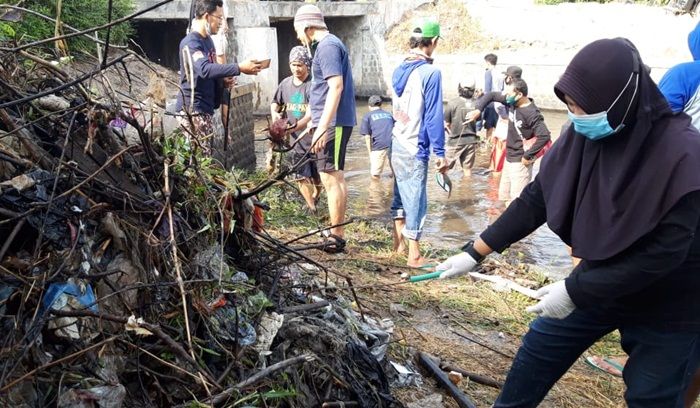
[{"x": 528, "y": 137}]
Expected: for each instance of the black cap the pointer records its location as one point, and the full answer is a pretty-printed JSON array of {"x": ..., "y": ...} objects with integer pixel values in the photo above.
[
  {"x": 514, "y": 71},
  {"x": 375, "y": 100}
]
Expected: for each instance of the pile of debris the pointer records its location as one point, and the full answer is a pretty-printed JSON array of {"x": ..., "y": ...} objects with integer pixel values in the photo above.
[{"x": 137, "y": 272}]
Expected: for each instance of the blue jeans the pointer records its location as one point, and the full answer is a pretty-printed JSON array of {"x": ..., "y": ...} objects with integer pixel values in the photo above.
[
  {"x": 660, "y": 366},
  {"x": 410, "y": 179}
]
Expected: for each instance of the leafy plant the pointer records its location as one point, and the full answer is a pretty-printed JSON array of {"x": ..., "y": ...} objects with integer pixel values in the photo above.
[{"x": 80, "y": 14}]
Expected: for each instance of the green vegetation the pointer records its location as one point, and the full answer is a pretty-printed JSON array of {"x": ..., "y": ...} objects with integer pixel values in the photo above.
[{"x": 80, "y": 14}]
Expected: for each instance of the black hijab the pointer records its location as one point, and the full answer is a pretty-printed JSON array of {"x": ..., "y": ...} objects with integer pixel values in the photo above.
[{"x": 602, "y": 196}]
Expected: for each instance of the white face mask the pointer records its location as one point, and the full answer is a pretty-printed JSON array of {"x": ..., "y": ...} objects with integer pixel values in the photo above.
[{"x": 207, "y": 27}]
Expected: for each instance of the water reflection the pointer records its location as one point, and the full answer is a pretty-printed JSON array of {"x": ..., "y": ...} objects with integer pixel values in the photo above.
[{"x": 472, "y": 205}]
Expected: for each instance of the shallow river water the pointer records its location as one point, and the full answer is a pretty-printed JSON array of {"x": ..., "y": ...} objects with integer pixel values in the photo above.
[{"x": 451, "y": 221}]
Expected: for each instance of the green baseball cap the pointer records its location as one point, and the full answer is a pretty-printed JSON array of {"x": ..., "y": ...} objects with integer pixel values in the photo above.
[{"x": 429, "y": 28}]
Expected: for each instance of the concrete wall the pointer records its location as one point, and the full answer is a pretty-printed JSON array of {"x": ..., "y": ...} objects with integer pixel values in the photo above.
[{"x": 240, "y": 151}]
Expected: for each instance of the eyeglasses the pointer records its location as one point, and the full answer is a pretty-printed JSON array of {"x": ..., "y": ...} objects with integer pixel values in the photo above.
[{"x": 220, "y": 18}]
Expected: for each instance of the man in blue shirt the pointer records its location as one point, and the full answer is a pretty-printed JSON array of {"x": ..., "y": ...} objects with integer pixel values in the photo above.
[
  {"x": 419, "y": 129},
  {"x": 376, "y": 127},
  {"x": 332, "y": 105},
  {"x": 197, "y": 103}
]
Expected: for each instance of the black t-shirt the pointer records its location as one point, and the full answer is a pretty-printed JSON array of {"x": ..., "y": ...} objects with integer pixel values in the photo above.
[
  {"x": 524, "y": 123},
  {"x": 455, "y": 114}
]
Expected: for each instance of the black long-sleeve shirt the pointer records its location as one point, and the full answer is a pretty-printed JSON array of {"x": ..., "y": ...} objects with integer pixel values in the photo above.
[
  {"x": 208, "y": 74},
  {"x": 525, "y": 122},
  {"x": 655, "y": 281}
]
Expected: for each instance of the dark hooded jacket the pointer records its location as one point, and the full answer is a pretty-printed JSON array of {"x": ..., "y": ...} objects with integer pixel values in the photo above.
[{"x": 627, "y": 204}]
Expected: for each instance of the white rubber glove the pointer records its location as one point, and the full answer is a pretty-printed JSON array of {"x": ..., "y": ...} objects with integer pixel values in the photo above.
[
  {"x": 554, "y": 301},
  {"x": 456, "y": 265}
]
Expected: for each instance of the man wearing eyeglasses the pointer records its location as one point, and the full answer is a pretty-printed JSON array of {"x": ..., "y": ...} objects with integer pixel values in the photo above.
[{"x": 202, "y": 80}]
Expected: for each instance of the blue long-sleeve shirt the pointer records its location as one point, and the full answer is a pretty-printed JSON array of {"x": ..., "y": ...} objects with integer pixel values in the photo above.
[
  {"x": 207, "y": 74},
  {"x": 418, "y": 109}
]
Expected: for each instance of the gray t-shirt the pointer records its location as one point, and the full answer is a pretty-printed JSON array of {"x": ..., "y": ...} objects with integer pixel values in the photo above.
[
  {"x": 295, "y": 99},
  {"x": 455, "y": 115}
]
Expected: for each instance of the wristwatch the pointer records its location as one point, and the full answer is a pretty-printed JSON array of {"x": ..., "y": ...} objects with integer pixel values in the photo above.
[{"x": 469, "y": 248}]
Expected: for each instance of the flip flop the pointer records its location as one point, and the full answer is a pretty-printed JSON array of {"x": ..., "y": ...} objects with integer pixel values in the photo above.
[
  {"x": 444, "y": 182},
  {"x": 333, "y": 244},
  {"x": 426, "y": 267},
  {"x": 606, "y": 364}
]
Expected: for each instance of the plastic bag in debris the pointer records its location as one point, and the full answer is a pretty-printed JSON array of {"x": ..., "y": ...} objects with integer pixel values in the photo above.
[
  {"x": 57, "y": 295},
  {"x": 405, "y": 376},
  {"x": 239, "y": 277},
  {"x": 210, "y": 263},
  {"x": 267, "y": 330},
  {"x": 375, "y": 333},
  {"x": 58, "y": 222},
  {"x": 69, "y": 296},
  {"x": 223, "y": 325},
  {"x": 103, "y": 396},
  {"x": 372, "y": 374}
]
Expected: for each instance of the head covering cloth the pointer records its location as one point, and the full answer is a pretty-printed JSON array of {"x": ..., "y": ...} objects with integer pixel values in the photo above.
[{"x": 602, "y": 196}]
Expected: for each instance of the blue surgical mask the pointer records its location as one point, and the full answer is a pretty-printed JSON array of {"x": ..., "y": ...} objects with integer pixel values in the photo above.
[
  {"x": 510, "y": 100},
  {"x": 596, "y": 125}
]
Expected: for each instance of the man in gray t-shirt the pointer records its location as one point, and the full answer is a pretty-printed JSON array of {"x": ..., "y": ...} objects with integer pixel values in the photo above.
[
  {"x": 291, "y": 100},
  {"x": 461, "y": 136}
]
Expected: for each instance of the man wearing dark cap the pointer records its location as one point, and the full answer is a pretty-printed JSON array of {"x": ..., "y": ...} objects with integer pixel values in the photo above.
[
  {"x": 332, "y": 105},
  {"x": 498, "y": 151},
  {"x": 376, "y": 127},
  {"x": 528, "y": 137},
  {"x": 511, "y": 73}
]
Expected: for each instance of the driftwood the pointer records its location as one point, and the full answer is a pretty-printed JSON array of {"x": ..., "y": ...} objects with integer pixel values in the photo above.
[
  {"x": 430, "y": 364},
  {"x": 479, "y": 379}
]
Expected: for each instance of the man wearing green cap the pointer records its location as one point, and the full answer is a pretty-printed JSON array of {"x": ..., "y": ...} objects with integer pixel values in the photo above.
[{"x": 417, "y": 103}]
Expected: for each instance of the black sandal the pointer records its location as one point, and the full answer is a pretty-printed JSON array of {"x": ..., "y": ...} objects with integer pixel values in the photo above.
[{"x": 333, "y": 244}]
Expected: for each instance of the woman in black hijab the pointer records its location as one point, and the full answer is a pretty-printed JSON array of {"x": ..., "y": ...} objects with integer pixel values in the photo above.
[{"x": 621, "y": 186}]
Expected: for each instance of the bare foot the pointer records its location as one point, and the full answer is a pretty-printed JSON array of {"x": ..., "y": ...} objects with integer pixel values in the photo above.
[{"x": 417, "y": 263}]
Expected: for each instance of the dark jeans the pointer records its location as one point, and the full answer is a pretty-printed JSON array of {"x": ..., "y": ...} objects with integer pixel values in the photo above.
[{"x": 660, "y": 366}]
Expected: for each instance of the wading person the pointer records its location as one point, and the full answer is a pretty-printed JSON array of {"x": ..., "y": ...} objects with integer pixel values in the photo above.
[
  {"x": 527, "y": 138},
  {"x": 621, "y": 187},
  {"x": 332, "y": 104},
  {"x": 376, "y": 127},
  {"x": 291, "y": 101},
  {"x": 462, "y": 138},
  {"x": 417, "y": 104},
  {"x": 209, "y": 77},
  {"x": 492, "y": 83}
]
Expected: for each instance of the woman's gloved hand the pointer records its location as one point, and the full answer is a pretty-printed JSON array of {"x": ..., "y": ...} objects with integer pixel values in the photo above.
[
  {"x": 456, "y": 265},
  {"x": 555, "y": 301}
]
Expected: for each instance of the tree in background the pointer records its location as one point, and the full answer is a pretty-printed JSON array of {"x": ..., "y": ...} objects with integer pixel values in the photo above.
[{"x": 80, "y": 14}]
